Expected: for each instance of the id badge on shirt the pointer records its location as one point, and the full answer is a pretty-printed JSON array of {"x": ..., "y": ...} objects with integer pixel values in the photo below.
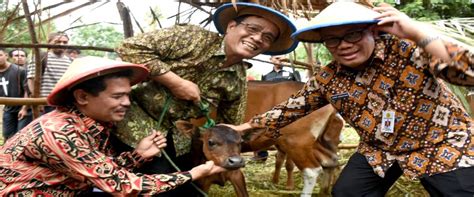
[
  {"x": 285, "y": 74},
  {"x": 388, "y": 121}
]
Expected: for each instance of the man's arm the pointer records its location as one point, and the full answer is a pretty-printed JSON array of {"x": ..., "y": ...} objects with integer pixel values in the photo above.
[
  {"x": 168, "y": 49},
  {"x": 447, "y": 61},
  {"x": 181, "y": 88}
]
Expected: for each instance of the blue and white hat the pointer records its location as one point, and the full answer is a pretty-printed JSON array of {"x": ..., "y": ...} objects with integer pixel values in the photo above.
[
  {"x": 282, "y": 45},
  {"x": 336, "y": 14}
]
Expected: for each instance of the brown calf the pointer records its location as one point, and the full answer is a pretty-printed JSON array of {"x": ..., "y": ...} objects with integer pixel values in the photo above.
[
  {"x": 310, "y": 142},
  {"x": 220, "y": 144}
]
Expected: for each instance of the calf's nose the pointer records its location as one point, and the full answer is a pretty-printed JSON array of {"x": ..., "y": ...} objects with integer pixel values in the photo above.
[{"x": 234, "y": 162}]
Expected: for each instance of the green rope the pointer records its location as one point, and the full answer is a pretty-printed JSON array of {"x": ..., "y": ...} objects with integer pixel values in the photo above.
[
  {"x": 204, "y": 106},
  {"x": 160, "y": 120}
]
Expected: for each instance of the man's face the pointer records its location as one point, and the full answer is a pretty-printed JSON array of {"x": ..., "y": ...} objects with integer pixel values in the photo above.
[
  {"x": 19, "y": 57},
  {"x": 350, "y": 54},
  {"x": 112, "y": 103},
  {"x": 59, "y": 40},
  {"x": 276, "y": 60},
  {"x": 3, "y": 58},
  {"x": 253, "y": 36}
]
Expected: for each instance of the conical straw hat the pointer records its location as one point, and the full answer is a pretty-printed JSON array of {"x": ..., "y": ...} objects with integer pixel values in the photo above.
[
  {"x": 85, "y": 68},
  {"x": 336, "y": 14}
]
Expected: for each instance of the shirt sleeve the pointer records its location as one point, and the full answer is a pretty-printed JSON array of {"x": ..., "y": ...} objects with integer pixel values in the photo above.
[
  {"x": 30, "y": 71},
  {"x": 298, "y": 105},
  {"x": 84, "y": 161},
  {"x": 130, "y": 159},
  {"x": 166, "y": 49},
  {"x": 459, "y": 70}
]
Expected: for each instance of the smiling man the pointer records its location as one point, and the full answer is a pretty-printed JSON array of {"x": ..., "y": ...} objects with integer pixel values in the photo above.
[
  {"x": 68, "y": 151},
  {"x": 385, "y": 81},
  {"x": 190, "y": 64}
]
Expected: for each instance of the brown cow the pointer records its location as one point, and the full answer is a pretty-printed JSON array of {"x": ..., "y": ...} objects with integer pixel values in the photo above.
[
  {"x": 220, "y": 144},
  {"x": 310, "y": 142}
]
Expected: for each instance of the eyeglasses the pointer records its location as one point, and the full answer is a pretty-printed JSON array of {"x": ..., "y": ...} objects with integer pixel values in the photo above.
[
  {"x": 351, "y": 37},
  {"x": 256, "y": 29}
]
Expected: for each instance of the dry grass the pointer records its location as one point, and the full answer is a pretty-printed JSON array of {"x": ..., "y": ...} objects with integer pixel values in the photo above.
[{"x": 258, "y": 177}]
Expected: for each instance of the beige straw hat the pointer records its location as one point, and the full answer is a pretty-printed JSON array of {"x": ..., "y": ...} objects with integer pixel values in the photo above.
[
  {"x": 336, "y": 14},
  {"x": 85, "y": 68}
]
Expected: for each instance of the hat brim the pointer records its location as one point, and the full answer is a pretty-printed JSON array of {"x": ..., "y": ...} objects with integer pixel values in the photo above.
[
  {"x": 311, "y": 34},
  {"x": 61, "y": 92},
  {"x": 284, "y": 44}
]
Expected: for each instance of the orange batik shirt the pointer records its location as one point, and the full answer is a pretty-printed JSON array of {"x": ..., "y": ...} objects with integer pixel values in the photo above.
[
  {"x": 65, "y": 153},
  {"x": 432, "y": 133}
]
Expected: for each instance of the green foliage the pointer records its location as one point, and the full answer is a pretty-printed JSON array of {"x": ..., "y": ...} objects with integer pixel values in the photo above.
[
  {"x": 98, "y": 36},
  {"x": 416, "y": 10},
  {"x": 320, "y": 53}
]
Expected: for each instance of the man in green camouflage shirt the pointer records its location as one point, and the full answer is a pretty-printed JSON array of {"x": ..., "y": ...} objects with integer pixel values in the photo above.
[{"x": 190, "y": 64}]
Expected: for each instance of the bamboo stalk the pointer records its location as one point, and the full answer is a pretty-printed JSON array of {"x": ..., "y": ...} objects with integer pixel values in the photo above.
[
  {"x": 53, "y": 46},
  {"x": 34, "y": 40},
  {"x": 22, "y": 101}
]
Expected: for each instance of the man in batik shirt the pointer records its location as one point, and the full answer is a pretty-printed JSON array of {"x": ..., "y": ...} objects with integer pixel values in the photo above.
[
  {"x": 387, "y": 87},
  {"x": 190, "y": 64},
  {"x": 68, "y": 151}
]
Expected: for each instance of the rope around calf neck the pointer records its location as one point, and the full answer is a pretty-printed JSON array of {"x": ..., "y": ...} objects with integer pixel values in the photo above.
[{"x": 209, "y": 123}]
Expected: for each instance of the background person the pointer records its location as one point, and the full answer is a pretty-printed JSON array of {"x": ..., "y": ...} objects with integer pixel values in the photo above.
[
  {"x": 54, "y": 64},
  {"x": 19, "y": 57},
  {"x": 68, "y": 151},
  {"x": 394, "y": 78},
  {"x": 73, "y": 53},
  {"x": 277, "y": 74},
  {"x": 12, "y": 83},
  {"x": 189, "y": 63}
]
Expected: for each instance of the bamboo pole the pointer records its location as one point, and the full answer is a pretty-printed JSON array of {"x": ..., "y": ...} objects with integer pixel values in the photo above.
[
  {"x": 23, "y": 101},
  {"x": 52, "y": 46},
  {"x": 34, "y": 40}
]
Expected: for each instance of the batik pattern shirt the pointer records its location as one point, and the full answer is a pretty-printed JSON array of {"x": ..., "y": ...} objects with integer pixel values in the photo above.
[
  {"x": 432, "y": 131},
  {"x": 65, "y": 153},
  {"x": 194, "y": 54}
]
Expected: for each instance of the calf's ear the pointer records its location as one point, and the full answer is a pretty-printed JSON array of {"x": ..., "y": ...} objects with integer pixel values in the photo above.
[{"x": 185, "y": 127}]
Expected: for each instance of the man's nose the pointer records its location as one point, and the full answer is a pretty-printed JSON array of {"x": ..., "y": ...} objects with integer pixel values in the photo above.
[{"x": 126, "y": 101}]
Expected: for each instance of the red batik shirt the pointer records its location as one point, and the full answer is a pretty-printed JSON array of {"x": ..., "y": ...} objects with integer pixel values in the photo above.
[
  {"x": 432, "y": 131},
  {"x": 65, "y": 153}
]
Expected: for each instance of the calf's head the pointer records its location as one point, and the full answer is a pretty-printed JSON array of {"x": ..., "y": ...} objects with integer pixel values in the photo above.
[{"x": 220, "y": 144}]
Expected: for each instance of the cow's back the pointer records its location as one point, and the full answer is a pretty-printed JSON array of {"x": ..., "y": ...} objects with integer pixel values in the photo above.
[{"x": 263, "y": 95}]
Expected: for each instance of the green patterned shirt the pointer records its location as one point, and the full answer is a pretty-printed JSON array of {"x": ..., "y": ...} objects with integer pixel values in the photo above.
[{"x": 194, "y": 54}]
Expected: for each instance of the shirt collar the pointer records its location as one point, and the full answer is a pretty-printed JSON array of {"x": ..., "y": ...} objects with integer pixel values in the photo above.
[
  {"x": 221, "y": 51},
  {"x": 94, "y": 127}
]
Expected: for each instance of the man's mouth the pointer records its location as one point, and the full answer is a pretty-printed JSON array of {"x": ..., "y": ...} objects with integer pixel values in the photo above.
[{"x": 250, "y": 45}]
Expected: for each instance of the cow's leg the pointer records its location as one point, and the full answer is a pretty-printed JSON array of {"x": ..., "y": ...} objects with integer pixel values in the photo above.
[
  {"x": 310, "y": 176},
  {"x": 290, "y": 182},
  {"x": 279, "y": 159},
  {"x": 238, "y": 182},
  {"x": 327, "y": 180}
]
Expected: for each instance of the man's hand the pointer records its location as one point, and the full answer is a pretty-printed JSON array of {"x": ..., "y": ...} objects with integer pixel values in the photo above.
[
  {"x": 186, "y": 90},
  {"x": 151, "y": 145},
  {"x": 22, "y": 113},
  {"x": 181, "y": 88},
  {"x": 398, "y": 23},
  {"x": 205, "y": 169}
]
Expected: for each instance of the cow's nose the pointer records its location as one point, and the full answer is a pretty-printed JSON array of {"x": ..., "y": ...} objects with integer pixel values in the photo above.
[{"x": 235, "y": 162}]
